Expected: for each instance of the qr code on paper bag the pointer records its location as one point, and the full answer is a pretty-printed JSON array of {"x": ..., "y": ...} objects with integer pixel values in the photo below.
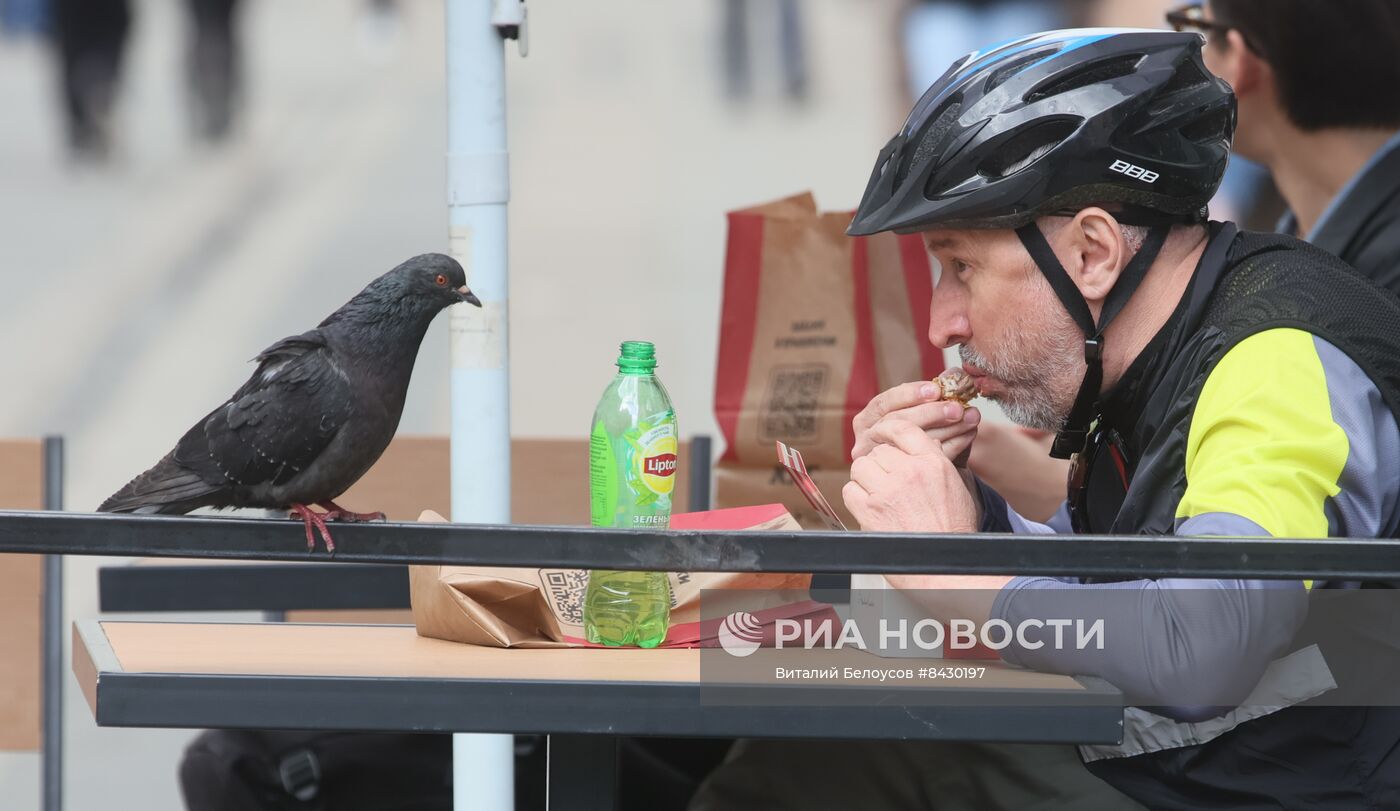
[
  {"x": 564, "y": 589},
  {"x": 791, "y": 402}
]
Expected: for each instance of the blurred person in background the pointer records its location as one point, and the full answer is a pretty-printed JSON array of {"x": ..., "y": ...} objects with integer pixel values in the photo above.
[
  {"x": 1318, "y": 83},
  {"x": 748, "y": 30},
  {"x": 90, "y": 42},
  {"x": 212, "y": 68}
]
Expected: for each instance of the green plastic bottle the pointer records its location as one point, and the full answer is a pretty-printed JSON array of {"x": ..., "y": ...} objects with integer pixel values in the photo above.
[{"x": 632, "y": 470}]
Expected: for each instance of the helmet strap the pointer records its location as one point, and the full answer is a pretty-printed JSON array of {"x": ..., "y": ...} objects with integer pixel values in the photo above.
[{"x": 1072, "y": 435}]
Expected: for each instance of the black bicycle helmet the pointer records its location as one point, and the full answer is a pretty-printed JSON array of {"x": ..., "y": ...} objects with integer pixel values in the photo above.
[
  {"x": 1054, "y": 122},
  {"x": 1051, "y": 123}
]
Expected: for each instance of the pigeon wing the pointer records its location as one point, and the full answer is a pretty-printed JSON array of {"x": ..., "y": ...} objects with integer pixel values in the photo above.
[{"x": 280, "y": 421}]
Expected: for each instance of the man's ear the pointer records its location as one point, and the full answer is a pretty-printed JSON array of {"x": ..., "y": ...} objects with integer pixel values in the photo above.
[
  {"x": 1242, "y": 68},
  {"x": 1096, "y": 242}
]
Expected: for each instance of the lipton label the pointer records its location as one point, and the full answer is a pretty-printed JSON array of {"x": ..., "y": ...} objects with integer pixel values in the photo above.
[
  {"x": 657, "y": 461},
  {"x": 663, "y": 465}
]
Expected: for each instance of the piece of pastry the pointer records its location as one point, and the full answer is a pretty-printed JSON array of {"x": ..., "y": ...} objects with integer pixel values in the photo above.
[{"x": 957, "y": 385}]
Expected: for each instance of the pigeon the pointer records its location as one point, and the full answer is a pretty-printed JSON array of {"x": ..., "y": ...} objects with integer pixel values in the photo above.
[{"x": 316, "y": 414}]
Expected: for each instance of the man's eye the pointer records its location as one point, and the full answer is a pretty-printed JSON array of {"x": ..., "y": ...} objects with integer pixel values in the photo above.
[{"x": 958, "y": 267}]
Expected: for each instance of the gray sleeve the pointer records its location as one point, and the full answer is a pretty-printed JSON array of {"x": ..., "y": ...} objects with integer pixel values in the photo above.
[
  {"x": 1194, "y": 648},
  {"x": 1365, "y": 504}
]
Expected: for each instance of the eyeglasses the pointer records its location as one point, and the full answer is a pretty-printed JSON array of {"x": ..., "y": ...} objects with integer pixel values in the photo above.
[{"x": 1192, "y": 17}]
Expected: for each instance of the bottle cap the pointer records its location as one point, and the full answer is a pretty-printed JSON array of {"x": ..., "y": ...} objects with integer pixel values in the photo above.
[{"x": 637, "y": 357}]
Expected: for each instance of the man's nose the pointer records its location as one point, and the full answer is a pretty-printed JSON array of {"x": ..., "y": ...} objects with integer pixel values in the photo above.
[{"x": 947, "y": 323}]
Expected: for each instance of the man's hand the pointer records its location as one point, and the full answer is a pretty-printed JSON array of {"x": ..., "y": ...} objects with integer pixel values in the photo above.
[
  {"x": 906, "y": 483},
  {"x": 946, "y": 422}
]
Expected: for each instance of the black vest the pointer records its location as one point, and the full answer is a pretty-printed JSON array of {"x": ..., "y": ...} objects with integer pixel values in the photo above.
[
  {"x": 1302, "y": 757},
  {"x": 1246, "y": 283}
]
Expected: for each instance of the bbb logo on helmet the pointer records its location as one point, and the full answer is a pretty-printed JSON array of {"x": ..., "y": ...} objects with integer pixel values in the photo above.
[{"x": 1135, "y": 172}]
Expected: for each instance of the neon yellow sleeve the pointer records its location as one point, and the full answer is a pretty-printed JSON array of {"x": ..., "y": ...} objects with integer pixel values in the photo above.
[{"x": 1263, "y": 444}]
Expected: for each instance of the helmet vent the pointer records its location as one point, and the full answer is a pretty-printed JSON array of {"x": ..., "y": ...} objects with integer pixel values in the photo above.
[
  {"x": 1214, "y": 127},
  {"x": 1015, "y": 66},
  {"x": 1093, "y": 73},
  {"x": 1187, "y": 77},
  {"x": 935, "y": 137},
  {"x": 1026, "y": 147}
]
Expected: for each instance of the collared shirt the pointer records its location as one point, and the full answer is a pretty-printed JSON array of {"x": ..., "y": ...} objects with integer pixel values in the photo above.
[{"x": 1288, "y": 223}]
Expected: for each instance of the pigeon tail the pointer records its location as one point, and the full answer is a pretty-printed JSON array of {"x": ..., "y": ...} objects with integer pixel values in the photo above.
[{"x": 168, "y": 488}]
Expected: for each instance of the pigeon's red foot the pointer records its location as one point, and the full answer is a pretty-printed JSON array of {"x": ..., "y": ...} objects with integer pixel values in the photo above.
[
  {"x": 311, "y": 518},
  {"x": 335, "y": 512}
]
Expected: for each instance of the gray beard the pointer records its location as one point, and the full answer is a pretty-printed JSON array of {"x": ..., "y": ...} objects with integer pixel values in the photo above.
[
  {"x": 1039, "y": 415},
  {"x": 1036, "y": 397}
]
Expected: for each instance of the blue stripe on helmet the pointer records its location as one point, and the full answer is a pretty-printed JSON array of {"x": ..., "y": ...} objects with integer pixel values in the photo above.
[
  {"x": 1070, "y": 46},
  {"x": 999, "y": 52},
  {"x": 1072, "y": 38}
]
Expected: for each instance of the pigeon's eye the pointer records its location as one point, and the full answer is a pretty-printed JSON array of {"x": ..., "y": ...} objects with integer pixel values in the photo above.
[{"x": 441, "y": 280}]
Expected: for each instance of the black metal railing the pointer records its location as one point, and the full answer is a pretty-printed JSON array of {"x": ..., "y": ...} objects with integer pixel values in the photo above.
[{"x": 583, "y": 547}]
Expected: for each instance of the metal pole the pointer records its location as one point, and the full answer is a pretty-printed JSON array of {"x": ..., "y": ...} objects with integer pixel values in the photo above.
[
  {"x": 700, "y": 473},
  {"x": 478, "y": 188},
  {"x": 53, "y": 637}
]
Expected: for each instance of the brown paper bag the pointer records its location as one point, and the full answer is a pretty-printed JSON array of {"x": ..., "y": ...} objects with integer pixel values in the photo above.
[
  {"x": 543, "y": 608},
  {"x": 814, "y": 325}
]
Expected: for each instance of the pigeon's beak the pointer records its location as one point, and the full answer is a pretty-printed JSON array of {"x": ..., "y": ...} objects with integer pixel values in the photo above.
[{"x": 468, "y": 296}]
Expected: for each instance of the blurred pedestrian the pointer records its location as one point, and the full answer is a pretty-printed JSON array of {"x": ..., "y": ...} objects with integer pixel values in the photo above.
[
  {"x": 783, "y": 22},
  {"x": 90, "y": 42},
  {"x": 213, "y": 68}
]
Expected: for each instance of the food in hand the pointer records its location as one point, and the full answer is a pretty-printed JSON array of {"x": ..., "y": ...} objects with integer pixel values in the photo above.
[{"x": 958, "y": 386}]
